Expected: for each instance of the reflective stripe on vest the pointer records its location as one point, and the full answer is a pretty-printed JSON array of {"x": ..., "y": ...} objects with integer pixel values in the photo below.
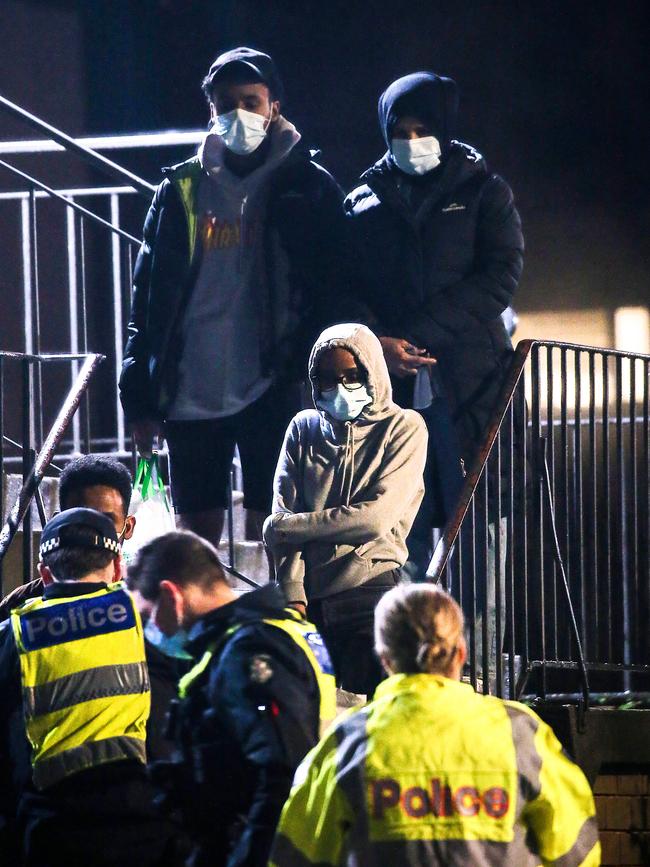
[
  {"x": 79, "y": 711},
  {"x": 430, "y": 773},
  {"x": 305, "y": 635}
]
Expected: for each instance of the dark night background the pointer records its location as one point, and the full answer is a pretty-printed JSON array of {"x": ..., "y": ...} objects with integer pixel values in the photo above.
[{"x": 554, "y": 94}]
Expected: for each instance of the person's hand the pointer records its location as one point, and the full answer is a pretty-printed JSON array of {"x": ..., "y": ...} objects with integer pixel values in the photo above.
[
  {"x": 402, "y": 358},
  {"x": 144, "y": 432},
  {"x": 300, "y": 607}
]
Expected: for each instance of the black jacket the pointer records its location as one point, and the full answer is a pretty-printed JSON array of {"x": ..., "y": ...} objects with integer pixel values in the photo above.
[
  {"x": 304, "y": 210},
  {"x": 241, "y": 735},
  {"x": 441, "y": 275},
  {"x": 73, "y": 821}
]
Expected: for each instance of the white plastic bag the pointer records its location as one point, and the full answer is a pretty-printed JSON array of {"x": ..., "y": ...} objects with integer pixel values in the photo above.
[{"x": 150, "y": 506}]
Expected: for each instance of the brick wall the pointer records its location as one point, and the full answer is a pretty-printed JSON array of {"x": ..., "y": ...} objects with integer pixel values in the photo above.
[{"x": 623, "y": 810}]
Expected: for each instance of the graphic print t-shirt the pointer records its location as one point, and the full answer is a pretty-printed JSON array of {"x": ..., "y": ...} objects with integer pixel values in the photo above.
[{"x": 220, "y": 371}]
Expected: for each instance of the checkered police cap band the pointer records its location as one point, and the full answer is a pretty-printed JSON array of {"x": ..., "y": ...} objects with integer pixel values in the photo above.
[{"x": 95, "y": 542}]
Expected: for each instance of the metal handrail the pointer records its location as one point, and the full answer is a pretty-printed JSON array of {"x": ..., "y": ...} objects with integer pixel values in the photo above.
[
  {"x": 44, "y": 456},
  {"x": 95, "y": 159},
  {"x": 524, "y": 348},
  {"x": 557, "y": 574},
  {"x": 79, "y": 208},
  {"x": 170, "y": 138}
]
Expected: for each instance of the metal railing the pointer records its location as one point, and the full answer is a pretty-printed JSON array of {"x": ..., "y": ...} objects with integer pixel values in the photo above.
[
  {"x": 70, "y": 241},
  {"x": 547, "y": 551},
  {"x": 84, "y": 299},
  {"x": 35, "y": 460},
  {"x": 70, "y": 144}
]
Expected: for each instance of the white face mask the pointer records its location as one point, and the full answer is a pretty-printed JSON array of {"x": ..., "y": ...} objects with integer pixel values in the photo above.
[
  {"x": 342, "y": 404},
  {"x": 242, "y": 131},
  {"x": 416, "y": 156}
]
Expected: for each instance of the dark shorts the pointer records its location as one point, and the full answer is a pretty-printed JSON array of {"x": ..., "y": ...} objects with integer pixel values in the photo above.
[{"x": 201, "y": 453}]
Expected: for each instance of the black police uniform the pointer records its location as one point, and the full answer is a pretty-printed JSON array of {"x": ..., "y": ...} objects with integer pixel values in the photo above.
[{"x": 246, "y": 723}]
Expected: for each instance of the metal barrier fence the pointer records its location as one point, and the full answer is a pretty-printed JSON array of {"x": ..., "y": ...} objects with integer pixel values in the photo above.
[
  {"x": 36, "y": 461},
  {"x": 547, "y": 552},
  {"x": 94, "y": 246}
]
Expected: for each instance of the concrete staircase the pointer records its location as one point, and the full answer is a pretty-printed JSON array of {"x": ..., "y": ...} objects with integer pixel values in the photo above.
[{"x": 250, "y": 557}]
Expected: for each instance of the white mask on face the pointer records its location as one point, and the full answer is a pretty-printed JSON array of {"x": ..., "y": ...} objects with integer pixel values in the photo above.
[
  {"x": 342, "y": 404},
  {"x": 416, "y": 156},
  {"x": 242, "y": 131}
]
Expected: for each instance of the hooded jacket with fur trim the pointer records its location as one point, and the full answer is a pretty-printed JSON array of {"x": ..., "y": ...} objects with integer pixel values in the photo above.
[{"x": 346, "y": 493}]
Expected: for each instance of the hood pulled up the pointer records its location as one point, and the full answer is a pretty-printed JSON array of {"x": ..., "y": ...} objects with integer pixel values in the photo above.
[{"x": 429, "y": 97}]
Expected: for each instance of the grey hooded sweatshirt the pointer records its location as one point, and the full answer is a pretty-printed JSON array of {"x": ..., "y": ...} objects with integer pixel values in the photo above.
[{"x": 346, "y": 493}]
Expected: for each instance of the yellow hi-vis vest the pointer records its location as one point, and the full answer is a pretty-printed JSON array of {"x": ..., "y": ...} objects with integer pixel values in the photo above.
[
  {"x": 430, "y": 773},
  {"x": 308, "y": 640},
  {"x": 85, "y": 685}
]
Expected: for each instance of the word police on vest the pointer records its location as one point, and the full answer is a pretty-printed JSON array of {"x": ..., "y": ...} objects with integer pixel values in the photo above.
[
  {"x": 79, "y": 528},
  {"x": 437, "y": 800},
  {"x": 111, "y": 611}
]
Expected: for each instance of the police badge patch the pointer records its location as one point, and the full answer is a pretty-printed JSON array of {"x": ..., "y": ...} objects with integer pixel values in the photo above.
[{"x": 260, "y": 669}]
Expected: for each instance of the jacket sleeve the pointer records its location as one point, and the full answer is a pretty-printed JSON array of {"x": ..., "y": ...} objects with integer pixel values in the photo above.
[
  {"x": 289, "y": 565},
  {"x": 382, "y": 507},
  {"x": 485, "y": 293},
  {"x": 561, "y": 813},
  {"x": 274, "y": 723},
  {"x": 317, "y": 817},
  {"x": 135, "y": 391},
  {"x": 321, "y": 258}
]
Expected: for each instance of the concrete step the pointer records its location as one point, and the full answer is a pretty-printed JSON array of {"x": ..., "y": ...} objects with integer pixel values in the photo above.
[{"x": 250, "y": 560}]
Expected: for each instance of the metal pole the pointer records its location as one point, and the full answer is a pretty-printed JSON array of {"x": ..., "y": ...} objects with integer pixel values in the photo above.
[
  {"x": 117, "y": 317},
  {"x": 20, "y": 509},
  {"x": 37, "y": 392},
  {"x": 73, "y": 314},
  {"x": 28, "y": 427},
  {"x": 84, "y": 331}
]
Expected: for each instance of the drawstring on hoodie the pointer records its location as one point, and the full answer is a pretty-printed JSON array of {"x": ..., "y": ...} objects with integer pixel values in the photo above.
[{"x": 348, "y": 457}]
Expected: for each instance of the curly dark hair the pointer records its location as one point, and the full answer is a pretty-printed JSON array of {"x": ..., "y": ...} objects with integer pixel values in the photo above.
[{"x": 90, "y": 470}]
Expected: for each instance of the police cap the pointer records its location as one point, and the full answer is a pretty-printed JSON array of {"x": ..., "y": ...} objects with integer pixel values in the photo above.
[{"x": 63, "y": 531}]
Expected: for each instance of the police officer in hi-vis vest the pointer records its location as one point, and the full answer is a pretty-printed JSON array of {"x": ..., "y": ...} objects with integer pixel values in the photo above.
[
  {"x": 75, "y": 702},
  {"x": 432, "y": 774},
  {"x": 260, "y": 692}
]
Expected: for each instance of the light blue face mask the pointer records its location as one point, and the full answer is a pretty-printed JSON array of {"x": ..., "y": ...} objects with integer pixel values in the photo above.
[
  {"x": 343, "y": 404},
  {"x": 170, "y": 645}
]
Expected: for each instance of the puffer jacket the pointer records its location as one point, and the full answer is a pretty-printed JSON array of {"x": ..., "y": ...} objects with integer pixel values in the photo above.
[
  {"x": 441, "y": 276},
  {"x": 303, "y": 213}
]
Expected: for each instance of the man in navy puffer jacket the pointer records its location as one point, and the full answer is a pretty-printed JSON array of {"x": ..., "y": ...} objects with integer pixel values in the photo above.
[{"x": 439, "y": 249}]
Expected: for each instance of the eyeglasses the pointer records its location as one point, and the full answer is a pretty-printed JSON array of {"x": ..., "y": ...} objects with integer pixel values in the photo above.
[{"x": 351, "y": 380}]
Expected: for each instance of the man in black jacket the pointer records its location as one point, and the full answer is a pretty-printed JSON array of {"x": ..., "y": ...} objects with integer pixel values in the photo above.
[
  {"x": 439, "y": 246},
  {"x": 250, "y": 709},
  {"x": 238, "y": 262}
]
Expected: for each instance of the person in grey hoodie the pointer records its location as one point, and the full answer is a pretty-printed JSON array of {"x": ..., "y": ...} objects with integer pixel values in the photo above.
[{"x": 347, "y": 487}]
